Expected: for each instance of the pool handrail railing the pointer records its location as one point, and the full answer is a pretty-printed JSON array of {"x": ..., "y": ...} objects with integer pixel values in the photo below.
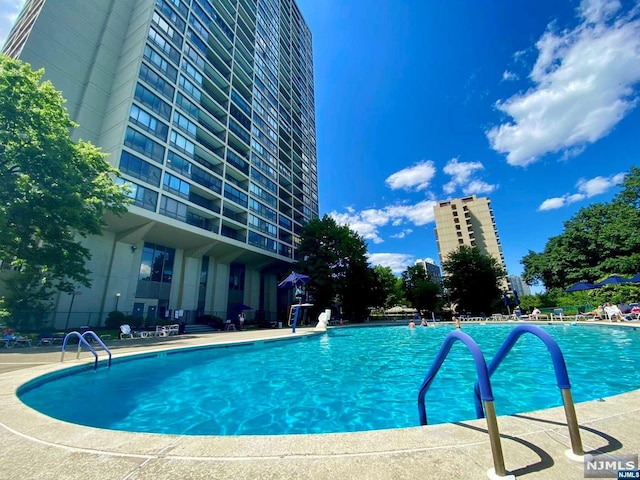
[
  {"x": 560, "y": 369},
  {"x": 81, "y": 341},
  {"x": 485, "y": 392},
  {"x": 93, "y": 335}
]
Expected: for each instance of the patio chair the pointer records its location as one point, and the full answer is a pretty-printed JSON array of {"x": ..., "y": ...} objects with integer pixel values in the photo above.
[
  {"x": 125, "y": 331},
  {"x": 49, "y": 339},
  {"x": 173, "y": 329},
  {"x": 11, "y": 341}
]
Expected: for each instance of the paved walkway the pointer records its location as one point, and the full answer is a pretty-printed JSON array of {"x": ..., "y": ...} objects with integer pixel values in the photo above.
[{"x": 34, "y": 446}]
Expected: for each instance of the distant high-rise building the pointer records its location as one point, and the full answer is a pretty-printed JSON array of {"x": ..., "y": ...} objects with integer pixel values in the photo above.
[
  {"x": 207, "y": 109},
  {"x": 518, "y": 285},
  {"x": 433, "y": 270},
  {"x": 467, "y": 221}
]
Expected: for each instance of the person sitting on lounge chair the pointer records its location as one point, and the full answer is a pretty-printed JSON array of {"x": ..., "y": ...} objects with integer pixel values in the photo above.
[
  {"x": 613, "y": 312},
  {"x": 596, "y": 313}
]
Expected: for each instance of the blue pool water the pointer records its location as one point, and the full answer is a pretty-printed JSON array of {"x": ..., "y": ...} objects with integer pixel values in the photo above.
[{"x": 349, "y": 379}]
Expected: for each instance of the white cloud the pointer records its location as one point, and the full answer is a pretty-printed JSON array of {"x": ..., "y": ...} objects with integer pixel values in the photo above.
[
  {"x": 508, "y": 76},
  {"x": 461, "y": 178},
  {"x": 584, "y": 82},
  {"x": 9, "y": 10},
  {"x": 418, "y": 177},
  {"x": 596, "y": 11},
  {"x": 403, "y": 233},
  {"x": 368, "y": 222},
  {"x": 552, "y": 204},
  {"x": 586, "y": 189},
  {"x": 398, "y": 262}
]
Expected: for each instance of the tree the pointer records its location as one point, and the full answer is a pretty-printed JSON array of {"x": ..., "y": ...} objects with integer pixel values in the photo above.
[
  {"x": 630, "y": 193},
  {"x": 599, "y": 240},
  {"x": 472, "y": 280},
  {"x": 384, "y": 290},
  {"x": 421, "y": 293},
  {"x": 335, "y": 257},
  {"x": 53, "y": 191}
]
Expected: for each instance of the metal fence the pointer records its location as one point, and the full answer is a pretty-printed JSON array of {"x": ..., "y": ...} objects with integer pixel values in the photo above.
[{"x": 71, "y": 320}]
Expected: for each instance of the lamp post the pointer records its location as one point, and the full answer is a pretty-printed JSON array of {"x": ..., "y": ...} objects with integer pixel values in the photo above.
[
  {"x": 117, "y": 300},
  {"x": 73, "y": 297}
]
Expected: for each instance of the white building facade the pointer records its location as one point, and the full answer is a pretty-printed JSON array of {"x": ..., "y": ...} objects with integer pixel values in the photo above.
[{"x": 207, "y": 109}]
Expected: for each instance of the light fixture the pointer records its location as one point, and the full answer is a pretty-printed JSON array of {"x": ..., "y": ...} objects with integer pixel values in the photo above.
[
  {"x": 134, "y": 248},
  {"x": 117, "y": 300}
]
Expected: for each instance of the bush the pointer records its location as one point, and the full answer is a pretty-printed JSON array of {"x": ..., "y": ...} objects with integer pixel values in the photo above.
[
  {"x": 114, "y": 320},
  {"x": 212, "y": 321}
]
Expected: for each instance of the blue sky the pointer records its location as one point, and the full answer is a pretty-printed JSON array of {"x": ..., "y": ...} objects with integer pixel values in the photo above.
[{"x": 533, "y": 104}]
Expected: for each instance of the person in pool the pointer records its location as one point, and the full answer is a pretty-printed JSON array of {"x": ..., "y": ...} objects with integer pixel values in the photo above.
[{"x": 412, "y": 324}]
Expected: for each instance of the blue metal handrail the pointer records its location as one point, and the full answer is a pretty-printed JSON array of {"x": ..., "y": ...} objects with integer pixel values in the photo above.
[
  {"x": 82, "y": 341},
  {"x": 485, "y": 392},
  {"x": 562, "y": 378},
  {"x": 481, "y": 369},
  {"x": 93, "y": 335}
]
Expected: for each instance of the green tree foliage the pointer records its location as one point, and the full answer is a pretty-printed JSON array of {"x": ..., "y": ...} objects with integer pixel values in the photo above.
[
  {"x": 630, "y": 193},
  {"x": 421, "y": 293},
  {"x": 384, "y": 289},
  {"x": 335, "y": 257},
  {"x": 53, "y": 191},
  {"x": 600, "y": 240},
  {"x": 472, "y": 280}
]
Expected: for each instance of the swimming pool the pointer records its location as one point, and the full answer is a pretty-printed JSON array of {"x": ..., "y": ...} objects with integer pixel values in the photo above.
[{"x": 350, "y": 379}]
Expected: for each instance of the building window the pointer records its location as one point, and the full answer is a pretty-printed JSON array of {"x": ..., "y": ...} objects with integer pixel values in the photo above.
[
  {"x": 176, "y": 186},
  {"x": 143, "y": 144},
  {"x": 149, "y": 76},
  {"x": 262, "y": 242},
  {"x": 142, "y": 197},
  {"x": 160, "y": 63},
  {"x": 172, "y": 208},
  {"x": 149, "y": 99},
  {"x": 138, "y": 168},
  {"x": 148, "y": 122},
  {"x": 156, "y": 272}
]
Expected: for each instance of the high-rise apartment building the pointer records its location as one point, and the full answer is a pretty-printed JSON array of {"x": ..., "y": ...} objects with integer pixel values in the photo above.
[
  {"x": 517, "y": 284},
  {"x": 467, "y": 221},
  {"x": 207, "y": 109},
  {"x": 433, "y": 270}
]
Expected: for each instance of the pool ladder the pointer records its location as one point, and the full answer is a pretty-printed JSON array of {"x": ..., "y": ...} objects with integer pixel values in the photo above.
[
  {"x": 83, "y": 341},
  {"x": 483, "y": 394}
]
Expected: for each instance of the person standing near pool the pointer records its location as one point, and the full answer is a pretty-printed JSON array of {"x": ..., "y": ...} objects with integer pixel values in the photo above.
[{"x": 241, "y": 320}]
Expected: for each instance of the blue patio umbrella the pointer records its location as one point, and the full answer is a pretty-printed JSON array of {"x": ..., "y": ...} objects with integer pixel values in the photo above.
[
  {"x": 294, "y": 280},
  {"x": 515, "y": 297},
  {"x": 635, "y": 278},
  {"x": 505, "y": 297},
  {"x": 242, "y": 307},
  {"x": 580, "y": 286},
  {"x": 613, "y": 280}
]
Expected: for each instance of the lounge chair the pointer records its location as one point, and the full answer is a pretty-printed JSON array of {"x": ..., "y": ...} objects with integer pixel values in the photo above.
[
  {"x": 49, "y": 339},
  {"x": 11, "y": 341},
  {"x": 125, "y": 331}
]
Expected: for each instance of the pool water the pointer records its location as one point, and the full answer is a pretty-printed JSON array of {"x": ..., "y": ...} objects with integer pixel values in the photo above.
[{"x": 347, "y": 380}]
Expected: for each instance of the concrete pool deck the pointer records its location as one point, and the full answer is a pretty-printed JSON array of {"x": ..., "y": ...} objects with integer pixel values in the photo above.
[{"x": 35, "y": 446}]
